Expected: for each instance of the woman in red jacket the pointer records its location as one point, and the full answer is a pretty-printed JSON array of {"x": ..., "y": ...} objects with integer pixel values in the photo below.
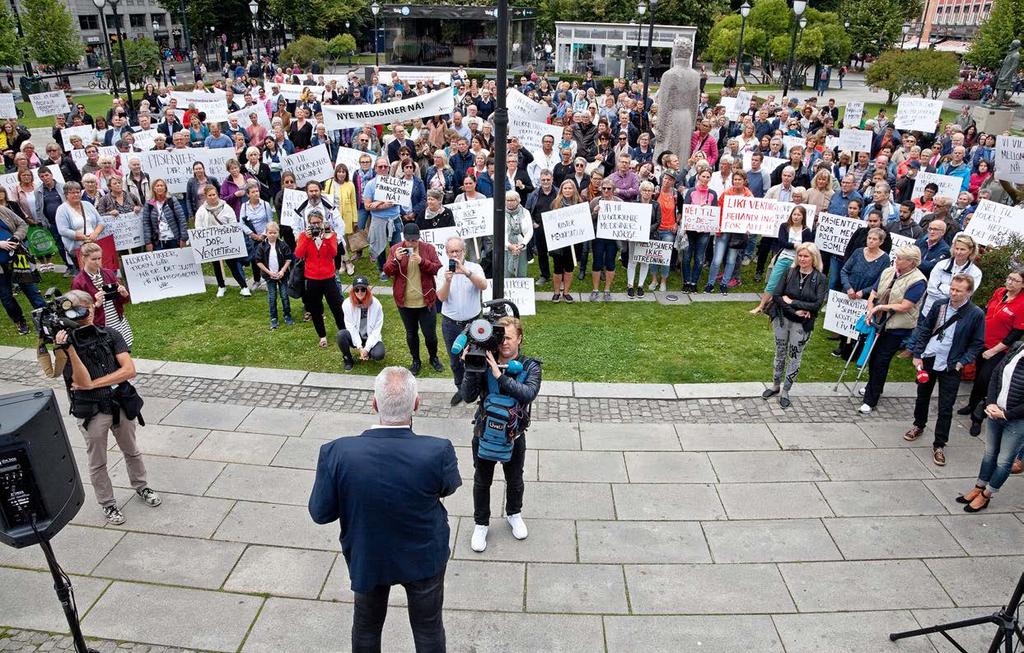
[
  {"x": 413, "y": 265},
  {"x": 317, "y": 246}
]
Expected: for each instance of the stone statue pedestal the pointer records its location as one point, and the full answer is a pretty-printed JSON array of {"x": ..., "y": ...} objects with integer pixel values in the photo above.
[{"x": 992, "y": 120}]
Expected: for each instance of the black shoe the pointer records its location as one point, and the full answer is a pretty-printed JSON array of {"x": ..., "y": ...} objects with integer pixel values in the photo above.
[
  {"x": 630, "y": 292},
  {"x": 966, "y": 410},
  {"x": 23, "y": 329},
  {"x": 415, "y": 368},
  {"x": 581, "y": 275},
  {"x": 785, "y": 402},
  {"x": 436, "y": 364},
  {"x": 456, "y": 399},
  {"x": 770, "y": 392},
  {"x": 758, "y": 278},
  {"x": 838, "y": 353},
  {"x": 639, "y": 291},
  {"x": 348, "y": 364},
  {"x": 975, "y": 429},
  {"x": 723, "y": 290}
]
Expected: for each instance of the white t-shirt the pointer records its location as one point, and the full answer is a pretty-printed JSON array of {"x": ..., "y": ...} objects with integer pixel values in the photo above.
[
  {"x": 272, "y": 263},
  {"x": 464, "y": 299}
]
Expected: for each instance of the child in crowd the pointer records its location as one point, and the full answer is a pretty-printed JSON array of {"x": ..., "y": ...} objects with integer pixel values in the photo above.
[{"x": 274, "y": 258}]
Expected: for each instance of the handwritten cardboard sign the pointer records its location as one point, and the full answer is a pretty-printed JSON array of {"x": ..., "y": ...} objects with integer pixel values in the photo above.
[
  {"x": 949, "y": 186},
  {"x": 1009, "y": 161},
  {"x": 393, "y": 189},
  {"x": 854, "y": 113},
  {"x": 918, "y": 114},
  {"x": 7, "y": 106},
  {"x": 842, "y": 313},
  {"x": 175, "y": 166},
  {"x": 702, "y": 219},
  {"x": 993, "y": 223},
  {"x": 855, "y": 140},
  {"x": 624, "y": 221},
  {"x": 219, "y": 242},
  {"x": 475, "y": 218},
  {"x": 567, "y": 226},
  {"x": 519, "y": 291},
  {"x": 162, "y": 274},
  {"x": 313, "y": 164},
  {"x": 753, "y": 215},
  {"x": 291, "y": 200},
  {"x": 126, "y": 228},
  {"x": 834, "y": 232},
  {"x": 50, "y": 103},
  {"x": 530, "y": 132},
  {"x": 653, "y": 252}
]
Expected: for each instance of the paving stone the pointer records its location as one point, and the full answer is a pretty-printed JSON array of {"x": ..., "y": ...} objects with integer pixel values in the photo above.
[
  {"x": 550, "y": 540},
  {"x": 773, "y": 500},
  {"x": 7, "y": 351},
  {"x": 161, "y": 440},
  {"x": 271, "y": 375},
  {"x": 859, "y": 632},
  {"x": 575, "y": 588},
  {"x": 247, "y": 522},
  {"x": 464, "y": 458},
  {"x": 987, "y": 534},
  {"x": 147, "y": 365},
  {"x": 888, "y": 434},
  {"x": 717, "y": 390},
  {"x": 328, "y": 426},
  {"x": 975, "y": 638},
  {"x": 171, "y": 560},
  {"x": 820, "y": 435},
  {"x": 706, "y": 589},
  {"x": 793, "y": 540},
  {"x": 977, "y": 581},
  {"x": 662, "y": 501},
  {"x": 624, "y": 390},
  {"x": 327, "y": 380},
  {"x": 157, "y": 408},
  {"x": 556, "y": 388},
  {"x": 236, "y": 447},
  {"x": 28, "y": 601},
  {"x": 270, "y": 484},
  {"x": 640, "y": 542},
  {"x": 879, "y": 498},
  {"x": 300, "y": 453},
  {"x": 225, "y": 417},
  {"x": 726, "y": 437},
  {"x": 567, "y": 500},
  {"x": 472, "y": 585},
  {"x": 469, "y": 633},
  {"x": 276, "y": 421},
  {"x": 91, "y": 514},
  {"x": 582, "y": 466},
  {"x": 337, "y": 587},
  {"x": 961, "y": 462},
  {"x": 203, "y": 370},
  {"x": 706, "y": 633},
  {"x": 459, "y": 431},
  {"x": 871, "y": 464},
  {"x": 277, "y": 571},
  {"x": 317, "y": 627},
  {"x": 554, "y": 435},
  {"x": 875, "y": 538},
  {"x": 629, "y": 437},
  {"x": 1010, "y": 497},
  {"x": 180, "y": 475},
  {"x": 212, "y": 621},
  {"x": 862, "y": 585},
  {"x": 78, "y": 550},
  {"x": 766, "y": 466},
  {"x": 179, "y": 514},
  {"x": 669, "y": 467}
]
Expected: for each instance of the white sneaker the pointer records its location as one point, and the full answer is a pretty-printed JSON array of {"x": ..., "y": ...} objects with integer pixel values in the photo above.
[
  {"x": 662, "y": 286},
  {"x": 860, "y": 391},
  {"x": 864, "y": 409},
  {"x": 518, "y": 526},
  {"x": 246, "y": 293},
  {"x": 221, "y": 291},
  {"x": 653, "y": 286},
  {"x": 479, "y": 541}
]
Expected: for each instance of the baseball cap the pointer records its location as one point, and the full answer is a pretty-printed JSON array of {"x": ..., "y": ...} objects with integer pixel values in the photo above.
[
  {"x": 411, "y": 231},
  {"x": 360, "y": 282}
]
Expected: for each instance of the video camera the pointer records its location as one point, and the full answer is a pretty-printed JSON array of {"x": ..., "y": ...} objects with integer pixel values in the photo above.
[
  {"x": 484, "y": 334},
  {"x": 58, "y": 314}
]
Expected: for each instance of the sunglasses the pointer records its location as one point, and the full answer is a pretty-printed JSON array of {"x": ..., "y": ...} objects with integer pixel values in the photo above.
[
  {"x": 381, "y": 166},
  {"x": 359, "y": 291}
]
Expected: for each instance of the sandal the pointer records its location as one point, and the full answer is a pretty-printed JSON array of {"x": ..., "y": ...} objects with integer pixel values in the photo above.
[
  {"x": 770, "y": 392},
  {"x": 967, "y": 498},
  {"x": 785, "y": 402},
  {"x": 323, "y": 342},
  {"x": 970, "y": 507}
]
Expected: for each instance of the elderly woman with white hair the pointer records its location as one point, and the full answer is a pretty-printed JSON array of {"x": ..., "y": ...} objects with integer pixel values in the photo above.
[{"x": 518, "y": 232}]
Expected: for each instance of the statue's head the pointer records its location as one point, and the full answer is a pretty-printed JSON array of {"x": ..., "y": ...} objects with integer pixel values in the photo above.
[
  {"x": 1015, "y": 45},
  {"x": 682, "y": 48}
]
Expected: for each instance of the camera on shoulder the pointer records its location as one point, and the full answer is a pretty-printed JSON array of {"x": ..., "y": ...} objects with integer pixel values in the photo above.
[
  {"x": 484, "y": 334},
  {"x": 59, "y": 313}
]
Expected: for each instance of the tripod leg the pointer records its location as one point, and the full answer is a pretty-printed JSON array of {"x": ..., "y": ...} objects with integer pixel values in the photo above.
[
  {"x": 63, "y": 589},
  {"x": 942, "y": 628}
]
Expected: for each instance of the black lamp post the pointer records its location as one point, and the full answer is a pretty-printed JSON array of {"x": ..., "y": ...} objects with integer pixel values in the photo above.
[
  {"x": 906, "y": 30},
  {"x": 184, "y": 25},
  {"x": 500, "y": 138},
  {"x": 647, "y": 63},
  {"x": 375, "y": 9},
  {"x": 744, "y": 12},
  {"x": 163, "y": 67},
  {"x": 798, "y": 10},
  {"x": 106, "y": 43},
  {"x": 254, "y": 8},
  {"x": 641, "y": 9},
  {"x": 21, "y": 35}
]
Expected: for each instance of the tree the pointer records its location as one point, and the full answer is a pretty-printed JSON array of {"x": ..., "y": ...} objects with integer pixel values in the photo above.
[
  {"x": 143, "y": 57},
  {"x": 303, "y": 51},
  {"x": 50, "y": 34},
  {"x": 10, "y": 44},
  {"x": 1004, "y": 23},
  {"x": 921, "y": 72},
  {"x": 875, "y": 25},
  {"x": 340, "y": 46}
]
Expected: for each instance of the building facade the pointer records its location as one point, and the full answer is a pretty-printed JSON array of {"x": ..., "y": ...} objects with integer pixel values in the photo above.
[{"x": 948, "y": 24}]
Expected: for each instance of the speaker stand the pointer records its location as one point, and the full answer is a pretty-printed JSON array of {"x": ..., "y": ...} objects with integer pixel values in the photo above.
[{"x": 62, "y": 586}]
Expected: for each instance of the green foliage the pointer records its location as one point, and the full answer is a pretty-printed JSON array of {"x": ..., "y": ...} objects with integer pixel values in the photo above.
[
  {"x": 1005, "y": 23},
  {"x": 996, "y": 263},
  {"x": 50, "y": 34},
  {"x": 320, "y": 17},
  {"x": 303, "y": 51},
  {"x": 143, "y": 57},
  {"x": 342, "y": 45},
  {"x": 919, "y": 72},
  {"x": 875, "y": 25},
  {"x": 10, "y": 47}
]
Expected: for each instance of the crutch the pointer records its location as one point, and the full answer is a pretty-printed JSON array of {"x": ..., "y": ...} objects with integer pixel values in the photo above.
[{"x": 869, "y": 346}]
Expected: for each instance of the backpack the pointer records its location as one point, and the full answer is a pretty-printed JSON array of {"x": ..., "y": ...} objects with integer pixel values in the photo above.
[{"x": 500, "y": 419}]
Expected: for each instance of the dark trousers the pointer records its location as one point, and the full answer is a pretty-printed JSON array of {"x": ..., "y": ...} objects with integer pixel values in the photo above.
[
  {"x": 237, "y": 271},
  {"x": 344, "y": 340},
  {"x": 878, "y": 365},
  {"x": 426, "y": 602},
  {"x": 414, "y": 320},
  {"x": 541, "y": 244},
  {"x": 484, "y": 476},
  {"x": 949, "y": 382},
  {"x": 11, "y": 304},
  {"x": 316, "y": 291},
  {"x": 450, "y": 330},
  {"x": 982, "y": 375},
  {"x": 764, "y": 250}
]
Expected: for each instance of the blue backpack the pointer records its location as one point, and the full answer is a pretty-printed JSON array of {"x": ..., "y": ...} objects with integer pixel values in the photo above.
[{"x": 500, "y": 418}]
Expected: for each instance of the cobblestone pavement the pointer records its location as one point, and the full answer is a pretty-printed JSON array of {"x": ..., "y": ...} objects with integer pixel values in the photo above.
[{"x": 27, "y": 641}]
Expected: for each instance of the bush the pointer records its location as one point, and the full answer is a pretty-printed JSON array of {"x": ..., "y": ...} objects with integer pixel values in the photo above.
[
  {"x": 995, "y": 264},
  {"x": 967, "y": 91},
  {"x": 920, "y": 72},
  {"x": 303, "y": 51}
]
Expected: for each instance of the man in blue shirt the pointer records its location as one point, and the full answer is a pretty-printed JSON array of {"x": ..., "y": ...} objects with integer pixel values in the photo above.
[
  {"x": 841, "y": 201},
  {"x": 382, "y": 214},
  {"x": 933, "y": 246}
]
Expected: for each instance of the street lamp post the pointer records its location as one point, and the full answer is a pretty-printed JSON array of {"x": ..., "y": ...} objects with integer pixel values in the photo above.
[
  {"x": 641, "y": 9},
  {"x": 798, "y": 10},
  {"x": 375, "y": 9},
  {"x": 163, "y": 67},
  {"x": 106, "y": 43},
  {"x": 21, "y": 35},
  {"x": 647, "y": 64},
  {"x": 744, "y": 12},
  {"x": 500, "y": 139},
  {"x": 120, "y": 42},
  {"x": 906, "y": 30},
  {"x": 254, "y": 8},
  {"x": 184, "y": 24}
]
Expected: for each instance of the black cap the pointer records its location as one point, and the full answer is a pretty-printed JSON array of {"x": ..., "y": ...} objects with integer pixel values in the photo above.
[
  {"x": 411, "y": 231},
  {"x": 360, "y": 282}
]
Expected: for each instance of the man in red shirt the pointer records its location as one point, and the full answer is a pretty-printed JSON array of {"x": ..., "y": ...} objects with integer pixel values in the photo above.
[{"x": 412, "y": 266}]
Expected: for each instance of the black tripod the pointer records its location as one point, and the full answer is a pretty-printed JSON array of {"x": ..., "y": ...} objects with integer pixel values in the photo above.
[
  {"x": 62, "y": 585},
  {"x": 1005, "y": 619}
]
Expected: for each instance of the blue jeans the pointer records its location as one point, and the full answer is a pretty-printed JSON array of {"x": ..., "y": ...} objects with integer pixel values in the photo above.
[
  {"x": 835, "y": 267},
  {"x": 662, "y": 270},
  {"x": 362, "y": 218},
  {"x": 1004, "y": 440},
  {"x": 726, "y": 253},
  {"x": 11, "y": 305},
  {"x": 274, "y": 288},
  {"x": 397, "y": 236},
  {"x": 693, "y": 257}
]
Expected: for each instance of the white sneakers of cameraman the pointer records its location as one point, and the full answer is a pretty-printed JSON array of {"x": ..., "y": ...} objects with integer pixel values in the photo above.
[{"x": 479, "y": 541}]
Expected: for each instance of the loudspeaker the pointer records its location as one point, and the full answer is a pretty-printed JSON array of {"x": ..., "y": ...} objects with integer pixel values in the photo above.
[{"x": 38, "y": 475}]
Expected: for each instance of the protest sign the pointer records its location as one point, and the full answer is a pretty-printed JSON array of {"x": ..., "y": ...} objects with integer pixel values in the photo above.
[
  {"x": 175, "y": 166},
  {"x": 393, "y": 189},
  {"x": 789, "y": 142},
  {"x": 350, "y": 157},
  {"x": 993, "y": 223},
  {"x": 753, "y": 215},
  {"x": 624, "y": 221},
  {"x": 10, "y": 180},
  {"x": 79, "y": 157},
  {"x": 742, "y": 104},
  {"x": 1009, "y": 162},
  {"x": 436, "y": 76},
  {"x": 842, "y": 313},
  {"x": 897, "y": 242},
  {"x": 162, "y": 274},
  {"x": 438, "y": 238},
  {"x": 212, "y": 104},
  {"x": 918, "y": 114},
  {"x": 855, "y": 140},
  {"x": 519, "y": 291},
  {"x": 50, "y": 103},
  {"x": 292, "y": 92},
  {"x": 474, "y": 219},
  {"x": 703, "y": 219},
  {"x": 768, "y": 163},
  {"x": 529, "y": 132},
  {"x": 219, "y": 242},
  {"x": 567, "y": 226},
  {"x": 785, "y": 208},
  {"x": 854, "y": 113},
  {"x": 313, "y": 164},
  {"x": 949, "y": 186},
  {"x": 834, "y": 232},
  {"x": 7, "y": 106},
  {"x": 291, "y": 199},
  {"x": 85, "y": 132},
  {"x": 351, "y": 116},
  {"x": 126, "y": 228},
  {"x": 244, "y": 117},
  {"x": 144, "y": 139},
  {"x": 654, "y": 252},
  {"x": 523, "y": 107}
]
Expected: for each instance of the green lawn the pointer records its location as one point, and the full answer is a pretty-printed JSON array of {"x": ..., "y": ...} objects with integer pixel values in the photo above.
[{"x": 96, "y": 103}]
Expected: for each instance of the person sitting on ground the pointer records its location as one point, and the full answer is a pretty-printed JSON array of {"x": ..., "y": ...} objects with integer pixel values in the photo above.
[{"x": 364, "y": 317}]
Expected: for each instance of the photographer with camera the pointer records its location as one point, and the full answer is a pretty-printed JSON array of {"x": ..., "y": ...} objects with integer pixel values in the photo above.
[
  {"x": 110, "y": 293},
  {"x": 12, "y": 252},
  {"x": 413, "y": 265},
  {"x": 459, "y": 287},
  {"x": 317, "y": 248},
  {"x": 97, "y": 372},
  {"x": 506, "y": 388}
]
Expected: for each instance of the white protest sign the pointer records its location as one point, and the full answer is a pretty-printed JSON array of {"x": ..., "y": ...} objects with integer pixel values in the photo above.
[
  {"x": 834, "y": 232},
  {"x": 768, "y": 163},
  {"x": 79, "y": 157},
  {"x": 654, "y": 252},
  {"x": 85, "y": 132},
  {"x": 475, "y": 218},
  {"x": 175, "y": 166},
  {"x": 7, "y": 106},
  {"x": 436, "y": 76},
  {"x": 918, "y": 114},
  {"x": 530, "y": 132},
  {"x": 219, "y": 242},
  {"x": 785, "y": 208},
  {"x": 291, "y": 199},
  {"x": 567, "y": 226},
  {"x": 244, "y": 117},
  {"x": 350, "y": 157},
  {"x": 145, "y": 138},
  {"x": 51, "y": 103},
  {"x": 624, "y": 221},
  {"x": 949, "y": 186},
  {"x": 729, "y": 104},
  {"x": 212, "y": 104},
  {"x": 519, "y": 291},
  {"x": 1010, "y": 159},
  {"x": 439, "y": 238},
  {"x": 898, "y": 241},
  {"x": 854, "y": 113},
  {"x": 126, "y": 228},
  {"x": 789, "y": 142},
  {"x": 292, "y": 92},
  {"x": 313, "y": 164},
  {"x": 523, "y": 107},
  {"x": 10, "y": 180},
  {"x": 993, "y": 223},
  {"x": 855, "y": 140},
  {"x": 702, "y": 219},
  {"x": 754, "y": 215},
  {"x": 393, "y": 189},
  {"x": 742, "y": 103},
  {"x": 162, "y": 274},
  {"x": 842, "y": 313},
  {"x": 346, "y": 116}
]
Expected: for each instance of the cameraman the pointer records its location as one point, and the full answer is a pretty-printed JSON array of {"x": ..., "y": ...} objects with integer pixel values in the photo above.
[
  {"x": 317, "y": 247},
  {"x": 102, "y": 400},
  {"x": 523, "y": 388}
]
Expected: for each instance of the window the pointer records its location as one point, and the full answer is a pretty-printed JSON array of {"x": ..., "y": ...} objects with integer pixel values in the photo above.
[
  {"x": 88, "y": 22},
  {"x": 160, "y": 19},
  {"x": 137, "y": 20}
]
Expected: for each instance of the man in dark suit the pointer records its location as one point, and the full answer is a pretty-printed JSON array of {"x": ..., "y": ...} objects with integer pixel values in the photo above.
[{"x": 385, "y": 487}]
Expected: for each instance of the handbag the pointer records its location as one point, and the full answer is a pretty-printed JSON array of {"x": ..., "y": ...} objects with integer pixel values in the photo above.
[
  {"x": 40, "y": 241},
  {"x": 297, "y": 281},
  {"x": 23, "y": 268},
  {"x": 357, "y": 241}
]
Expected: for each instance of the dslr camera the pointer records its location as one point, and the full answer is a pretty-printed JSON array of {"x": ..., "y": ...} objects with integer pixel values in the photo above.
[
  {"x": 484, "y": 334},
  {"x": 58, "y": 314},
  {"x": 110, "y": 291}
]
